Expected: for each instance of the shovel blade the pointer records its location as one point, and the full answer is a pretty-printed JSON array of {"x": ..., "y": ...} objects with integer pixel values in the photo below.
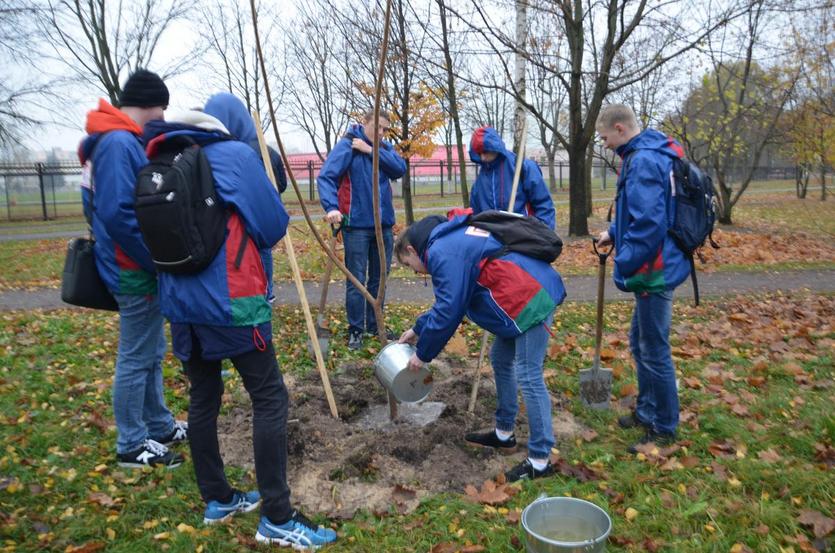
[
  {"x": 596, "y": 389},
  {"x": 324, "y": 343}
]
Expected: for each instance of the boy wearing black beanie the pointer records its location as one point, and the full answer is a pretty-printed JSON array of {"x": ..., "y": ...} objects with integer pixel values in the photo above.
[{"x": 113, "y": 154}]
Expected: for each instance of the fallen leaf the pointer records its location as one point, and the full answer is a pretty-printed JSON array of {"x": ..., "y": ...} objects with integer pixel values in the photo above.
[
  {"x": 458, "y": 346},
  {"x": 630, "y": 514},
  {"x": 628, "y": 390},
  {"x": 588, "y": 435},
  {"x": 444, "y": 547},
  {"x": 690, "y": 461},
  {"x": 741, "y": 548},
  {"x": 579, "y": 471},
  {"x": 101, "y": 498},
  {"x": 490, "y": 493},
  {"x": 472, "y": 549},
  {"x": 769, "y": 456},
  {"x": 821, "y": 525}
]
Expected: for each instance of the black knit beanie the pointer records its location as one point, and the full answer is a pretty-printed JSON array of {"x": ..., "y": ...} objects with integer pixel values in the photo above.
[
  {"x": 144, "y": 89},
  {"x": 418, "y": 233}
]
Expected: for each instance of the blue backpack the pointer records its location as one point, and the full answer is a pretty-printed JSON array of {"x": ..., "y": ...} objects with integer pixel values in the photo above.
[{"x": 695, "y": 213}]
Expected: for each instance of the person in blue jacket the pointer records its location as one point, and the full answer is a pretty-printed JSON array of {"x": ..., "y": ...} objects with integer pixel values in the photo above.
[
  {"x": 217, "y": 105},
  {"x": 647, "y": 262},
  {"x": 223, "y": 312},
  {"x": 346, "y": 196},
  {"x": 492, "y": 188},
  {"x": 112, "y": 155},
  {"x": 512, "y": 296}
]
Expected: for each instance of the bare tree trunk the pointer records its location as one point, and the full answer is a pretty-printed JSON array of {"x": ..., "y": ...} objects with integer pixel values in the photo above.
[
  {"x": 589, "y": 170},
  {"x": 519, "y": 72},
  {"x": 551, "y": 154},
  {"x": 453, "y": 108},
  {"x": 406, "y": 185},
  {"x": 823, "y": 183},
  {"x": 801, "y": 181}
]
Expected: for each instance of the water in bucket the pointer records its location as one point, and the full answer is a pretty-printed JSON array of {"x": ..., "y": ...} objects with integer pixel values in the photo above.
[{"x": 569, "y": 529}]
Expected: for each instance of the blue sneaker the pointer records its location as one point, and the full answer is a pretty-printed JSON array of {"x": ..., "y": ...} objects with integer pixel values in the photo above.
[
  {"x": 242, "y": 502},
  {"x": 298, "y": 532}
]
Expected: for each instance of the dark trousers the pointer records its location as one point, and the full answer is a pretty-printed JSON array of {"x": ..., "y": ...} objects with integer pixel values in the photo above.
[{"x": 265, "y": 385}]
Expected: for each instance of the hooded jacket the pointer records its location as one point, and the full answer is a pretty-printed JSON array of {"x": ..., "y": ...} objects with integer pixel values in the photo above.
[
  {"x": 646, "y": 257},
  {"x": 221, "y": 107},
  {"x": 506, "y": 296},
  {"x": 113, "y": 154},
  {"x": 221, "y": 294},
  {"x": 492, "y": 187},
  {"x": 345, "y": 181}
]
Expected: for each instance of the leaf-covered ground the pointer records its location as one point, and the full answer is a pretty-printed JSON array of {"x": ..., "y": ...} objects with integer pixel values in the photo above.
[{"x": 752, "y": 471}]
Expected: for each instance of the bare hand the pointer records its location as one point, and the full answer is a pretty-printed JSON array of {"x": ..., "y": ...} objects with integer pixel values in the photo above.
[
  {"x": 334, "y": 217},
  {"x": 415, "y": 364},
  {"x": 361, "y": 145},
  {"x": 603, "y": 239},
  {"x": 408, "y": 337}
]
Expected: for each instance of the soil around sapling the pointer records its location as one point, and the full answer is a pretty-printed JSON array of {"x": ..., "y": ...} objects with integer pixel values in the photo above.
[{"x": 337, "y": 467}]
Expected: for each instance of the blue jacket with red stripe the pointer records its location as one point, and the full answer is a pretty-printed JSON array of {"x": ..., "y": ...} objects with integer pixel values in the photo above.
[
  {"x": 113, "y": 154},
  {"x": 345, "y": 181},
  {"x": 506, "y": 296},
  {"x": 646, "y": 257},
  {"x": 223, "y": 294},
  {"x": 492, "y": 188}
]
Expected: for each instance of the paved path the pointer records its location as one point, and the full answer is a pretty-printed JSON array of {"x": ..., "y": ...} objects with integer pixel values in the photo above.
[{"x": 580, "y": 288}]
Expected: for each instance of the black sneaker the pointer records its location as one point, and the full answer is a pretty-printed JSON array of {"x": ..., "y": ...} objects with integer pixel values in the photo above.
[
  {"x": 490, "y": 439},
  {"x": 632, "y": 421},
  {"x": 178, "y": 434},
  {"x": 151, "y": 454},
  {"x": 661, "y": 439},
  {"x": 354, "y": 339},
  {"x": 525, "y": 470}
]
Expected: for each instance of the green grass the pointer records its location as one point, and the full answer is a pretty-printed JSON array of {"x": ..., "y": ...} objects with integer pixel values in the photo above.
[{"x": 58, "y": 441}]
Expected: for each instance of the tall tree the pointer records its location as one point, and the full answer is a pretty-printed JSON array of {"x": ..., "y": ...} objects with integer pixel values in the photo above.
[
  {"x": 100, "y": 42},
  {"x": 320, "y": 90},
  {"x": 731, "y": 117},
  {"x": 595, "y": 35}
]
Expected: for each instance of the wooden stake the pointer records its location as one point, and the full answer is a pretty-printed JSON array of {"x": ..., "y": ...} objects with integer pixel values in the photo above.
[{"x": 297, "y": 278}]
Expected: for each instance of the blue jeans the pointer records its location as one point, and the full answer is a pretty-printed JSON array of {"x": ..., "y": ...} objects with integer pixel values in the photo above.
[
  {"x": 649, "y": 339},
  {"x": 519, "y": 361},
  {"x": 138, "y": 403},
  {"x": 363, "y": 260}
]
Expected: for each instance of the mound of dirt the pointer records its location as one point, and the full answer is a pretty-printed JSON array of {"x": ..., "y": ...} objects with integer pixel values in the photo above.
[{"x": 339, "y": 466}]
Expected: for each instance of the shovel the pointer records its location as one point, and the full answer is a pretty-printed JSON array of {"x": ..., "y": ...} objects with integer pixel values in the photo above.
[
  {"x": 322, "y": 330},
  {"x": 596, "y": 383}
]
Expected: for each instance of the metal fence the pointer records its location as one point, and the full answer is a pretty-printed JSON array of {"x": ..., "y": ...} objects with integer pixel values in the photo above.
[{"x": 52, "y": 190}]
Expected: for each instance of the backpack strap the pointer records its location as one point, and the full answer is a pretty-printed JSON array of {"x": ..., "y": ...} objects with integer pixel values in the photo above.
[{"x": 693, "y": 279}]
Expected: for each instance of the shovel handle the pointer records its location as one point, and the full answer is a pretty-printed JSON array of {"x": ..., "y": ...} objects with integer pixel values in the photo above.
[{"x": 601, "y": 255}]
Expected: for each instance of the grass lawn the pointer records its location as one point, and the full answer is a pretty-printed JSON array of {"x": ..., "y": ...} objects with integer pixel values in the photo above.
[{"x": 754, "y": 462}]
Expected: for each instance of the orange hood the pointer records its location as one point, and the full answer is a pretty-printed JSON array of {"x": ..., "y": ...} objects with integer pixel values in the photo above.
[{"x": 108, "y": 118}]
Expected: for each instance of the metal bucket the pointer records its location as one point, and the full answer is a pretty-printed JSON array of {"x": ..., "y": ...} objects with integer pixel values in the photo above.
[
  {"x": 391, "y": 368},
  {"x": 565, "y": 525}
]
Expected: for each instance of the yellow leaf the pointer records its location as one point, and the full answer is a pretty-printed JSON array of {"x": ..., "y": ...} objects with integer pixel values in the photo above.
[
  {"x": 631, "y": 514},
  {"x": 734, "y": 482},
  {"x": 710, "y": 528},
  {"x": 148, "y": 524},
  {"x": 111, "y": 534},
  {"x": 162, "y": 536},
  {"x": 185, "y": 528}
]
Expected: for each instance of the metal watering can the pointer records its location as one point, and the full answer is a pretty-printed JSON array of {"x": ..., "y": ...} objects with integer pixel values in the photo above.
[{"x": 391, "y": 367}]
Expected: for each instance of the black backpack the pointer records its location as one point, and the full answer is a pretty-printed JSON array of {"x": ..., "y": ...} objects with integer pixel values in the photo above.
[
  {"x": 526, "y": 235},
  {"x": 695, "y": 213},
  {"x": 181, "y": 216}
]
